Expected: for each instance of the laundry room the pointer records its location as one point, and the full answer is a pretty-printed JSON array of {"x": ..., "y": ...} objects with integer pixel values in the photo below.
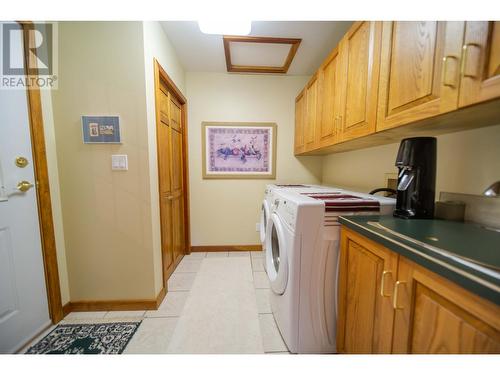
[{"x": 314, "y": 186}]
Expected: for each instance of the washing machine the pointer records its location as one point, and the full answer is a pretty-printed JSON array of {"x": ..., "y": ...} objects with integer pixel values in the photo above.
[
  {"x": 303, "y": 238},
  {"x": 268, "y": 201}
]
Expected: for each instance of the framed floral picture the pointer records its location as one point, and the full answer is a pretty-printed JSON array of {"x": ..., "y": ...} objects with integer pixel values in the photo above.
[{"x": 239, "y": 150}]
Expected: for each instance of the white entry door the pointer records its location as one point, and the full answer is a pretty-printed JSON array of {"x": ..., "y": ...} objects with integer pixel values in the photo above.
[{"x": 23, "y": 296}]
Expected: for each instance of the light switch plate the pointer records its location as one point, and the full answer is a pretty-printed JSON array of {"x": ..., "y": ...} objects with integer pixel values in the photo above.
[
  {"x": 119, "y": 162},
  {"x": 257, "y": 227}
]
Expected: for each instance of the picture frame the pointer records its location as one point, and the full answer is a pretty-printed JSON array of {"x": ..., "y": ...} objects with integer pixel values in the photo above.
[
  {"x": 239, "y": 150},
  {"x": 101, "y": 129}
]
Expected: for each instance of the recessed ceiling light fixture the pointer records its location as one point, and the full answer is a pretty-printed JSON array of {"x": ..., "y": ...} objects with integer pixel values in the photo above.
[{"x": 226, "y": 26}]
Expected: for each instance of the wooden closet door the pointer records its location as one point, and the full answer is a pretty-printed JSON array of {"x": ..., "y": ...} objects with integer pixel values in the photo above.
[
  {"x": 480, "y": 73},
  {"x": 435, "y": 316},
  {"x": 177, "y": 184},
  {"x": 300, "y": 113},
  {"x": 328, "y": 132},
  {"x": 361, "y": 50},
  {"x": 312, "y": 113},
  {"x": 366, "y": 279},
  {"x": 165, "y": 178},
  {"x": 418, "y": 71}
]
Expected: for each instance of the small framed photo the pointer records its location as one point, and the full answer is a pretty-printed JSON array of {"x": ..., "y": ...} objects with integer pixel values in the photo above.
[
  {"x": 101, "y": 129},
  {"x": 235, "y": 150}
]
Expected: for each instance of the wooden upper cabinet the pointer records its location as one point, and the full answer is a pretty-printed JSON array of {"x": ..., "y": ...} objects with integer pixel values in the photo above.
[
  {"x": 366, "y": 281},
  {"x": 435, "y": 316},
  {"x": 480, "y": 73},
  {"x": 361, "y": 53},
  {"x": 418, "y": 71},
  {"x": 312, "y": 113},
  {"x": 300, "y": 113},
  {"x": 332, "y": 99}
]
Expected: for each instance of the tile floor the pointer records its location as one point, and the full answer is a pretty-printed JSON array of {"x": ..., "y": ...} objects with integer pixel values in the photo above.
[{"x": 157, "y": 328}]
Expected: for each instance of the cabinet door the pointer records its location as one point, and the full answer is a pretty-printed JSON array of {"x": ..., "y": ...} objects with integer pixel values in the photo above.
[
  {"x": 415, "y": 82},
  {"x": 299, "y": 123},
  {"x": 480, "y": 73},
  {"x": 366, "y": 279},
  {"x": 361, "y": 51},
  {"x": 433, "y": 315},
  {"x": 312, "y": 110},
  {"x": 328, "y": 131},
  {"x": 177, "y": 197}
]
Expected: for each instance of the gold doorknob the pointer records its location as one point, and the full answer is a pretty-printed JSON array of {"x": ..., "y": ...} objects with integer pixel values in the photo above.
[{"x": 24, "y": 186}]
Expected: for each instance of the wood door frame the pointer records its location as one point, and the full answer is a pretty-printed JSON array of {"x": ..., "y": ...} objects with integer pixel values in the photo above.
[
  {"x": 160, "y": 74},
  {"x": 46, "y": 223}
]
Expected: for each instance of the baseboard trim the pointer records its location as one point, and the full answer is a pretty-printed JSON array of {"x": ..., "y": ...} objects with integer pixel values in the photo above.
[
  {"x": 216, "y": 248},
  {"x": 115, "y": 305}
]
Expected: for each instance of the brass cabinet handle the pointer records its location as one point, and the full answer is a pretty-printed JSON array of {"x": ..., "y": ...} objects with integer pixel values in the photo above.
[
  {"x": 382, "y": 284},
  {"x": 445, "y": 71},
  {"x": 24, "y": 186},
  {"x": 465, "y": 54},
  {"x": 396, "y": 294}
]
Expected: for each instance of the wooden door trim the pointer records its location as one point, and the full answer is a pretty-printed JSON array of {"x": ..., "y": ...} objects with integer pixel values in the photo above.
[
  {"x": 47, "y": 235},
  {"x": 161, "y": 74}
]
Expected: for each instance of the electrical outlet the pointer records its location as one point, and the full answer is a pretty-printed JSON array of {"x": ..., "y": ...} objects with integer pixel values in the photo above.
[{"x": 257, "y": 227}]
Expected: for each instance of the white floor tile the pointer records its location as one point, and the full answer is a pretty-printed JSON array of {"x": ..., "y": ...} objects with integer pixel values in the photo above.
[
  {"x": 171, "y": 306},
  {"x": 195, "y": 255},
  {"x": 271, "y": 338},
  {"x": 152, "y": 336},
  {"x": 181, "y": 281},
  {"x": 189, "y": 265},
  {"x": 124, "y": 314},
  {"x": 81, "y": 315},
  {"x": 263, "y": 304},
  {"x": 260, "y": 280},
  {"x": 217, "y": 254},
  {"x": 257, "y": 264},
  {"x": 256, "y": 254},
  {"x": 239, "y": 253},
  {"x": 220, "y": 315}
]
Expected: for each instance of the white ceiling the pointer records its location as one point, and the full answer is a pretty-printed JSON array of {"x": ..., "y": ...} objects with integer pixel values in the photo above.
[{"x": 200, "y": 52}]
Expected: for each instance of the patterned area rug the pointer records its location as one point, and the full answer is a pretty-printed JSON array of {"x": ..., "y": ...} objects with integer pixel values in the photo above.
[{"x": 102, "y": 338}]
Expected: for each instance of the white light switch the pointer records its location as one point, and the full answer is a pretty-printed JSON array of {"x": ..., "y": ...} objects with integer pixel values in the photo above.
[{"x": 119, "y": 162}]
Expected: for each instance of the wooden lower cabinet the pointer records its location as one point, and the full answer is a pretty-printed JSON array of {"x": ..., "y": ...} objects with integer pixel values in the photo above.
[
  {"x": 365, "y": 313},
  {"x": 434, "y": 315},
  {"x": 388, "y": 304}
]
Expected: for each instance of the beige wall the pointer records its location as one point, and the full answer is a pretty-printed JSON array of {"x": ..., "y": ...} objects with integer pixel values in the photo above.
[
  {"x": 468, "y": 162},
  {"x": 225, "y": 212},
  {"x": 157, "y": 46},
  {"x": 111, "y": 218},
  {"x": 107, "y": 214}
]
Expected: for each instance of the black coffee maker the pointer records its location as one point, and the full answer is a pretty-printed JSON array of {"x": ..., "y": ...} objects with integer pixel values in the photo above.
[{"x": 416, "y": 162}]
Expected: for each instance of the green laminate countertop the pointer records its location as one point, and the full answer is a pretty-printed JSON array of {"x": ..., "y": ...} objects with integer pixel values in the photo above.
[{"x": 464, "y": 253}]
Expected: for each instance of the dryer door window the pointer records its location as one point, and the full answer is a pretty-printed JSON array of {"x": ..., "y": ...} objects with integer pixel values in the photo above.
[
  {"x": 275, "y": 249},
  {"x": 276, "y": 255}
]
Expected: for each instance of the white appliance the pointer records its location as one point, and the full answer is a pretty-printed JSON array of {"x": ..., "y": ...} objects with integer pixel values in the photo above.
[
  {"x": 265, "y": 213},
  {"x": 302, "y": 262}
]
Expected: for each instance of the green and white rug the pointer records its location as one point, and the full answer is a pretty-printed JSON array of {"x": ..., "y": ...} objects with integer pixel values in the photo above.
[{"x": 101, "y": 338}]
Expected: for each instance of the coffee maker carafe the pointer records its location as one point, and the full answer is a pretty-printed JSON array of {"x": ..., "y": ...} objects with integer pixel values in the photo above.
[{"x": 416, "y": 162}]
